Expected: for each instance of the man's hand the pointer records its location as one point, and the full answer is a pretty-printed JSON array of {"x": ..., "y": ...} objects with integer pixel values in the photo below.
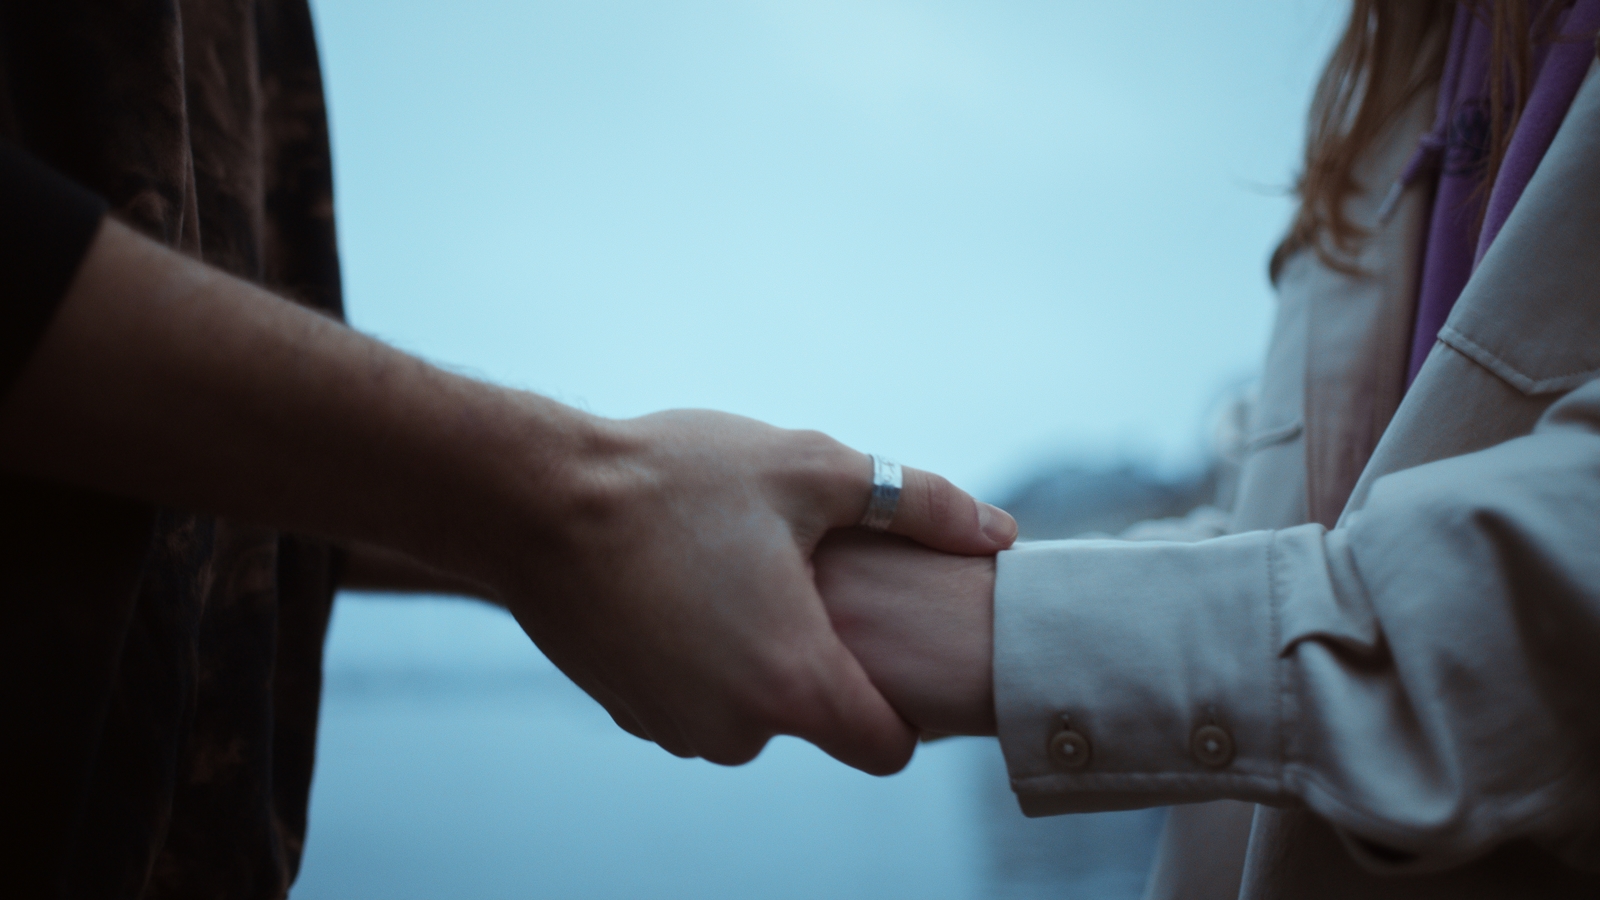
[
  {"x": 662, "y": 562},
  {"x": 680, "y": 593},
  {"x": 920, "y": 622}
]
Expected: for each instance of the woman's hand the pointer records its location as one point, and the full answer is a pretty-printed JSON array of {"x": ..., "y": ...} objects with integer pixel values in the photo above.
[{"x": 921, "y": 622}]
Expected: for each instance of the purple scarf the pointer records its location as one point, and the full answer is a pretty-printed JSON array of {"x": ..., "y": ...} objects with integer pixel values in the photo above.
[{"x": 1457, "y": 147}]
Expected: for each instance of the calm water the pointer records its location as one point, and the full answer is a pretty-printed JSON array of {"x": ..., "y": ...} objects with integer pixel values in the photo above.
[{"x": 456, "y": 762}]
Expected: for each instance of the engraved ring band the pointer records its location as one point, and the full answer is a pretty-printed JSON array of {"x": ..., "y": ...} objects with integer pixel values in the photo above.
[{"x": 886, "y": 480}]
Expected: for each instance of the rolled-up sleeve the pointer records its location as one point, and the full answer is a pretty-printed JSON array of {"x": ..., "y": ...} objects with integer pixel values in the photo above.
[
  {"x": 1424, "y": 677},
  {"x": 46, "y": 224}
]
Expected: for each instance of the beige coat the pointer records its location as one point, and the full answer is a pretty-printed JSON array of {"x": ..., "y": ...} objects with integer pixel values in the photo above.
[{"x": 1394, "y": 660}]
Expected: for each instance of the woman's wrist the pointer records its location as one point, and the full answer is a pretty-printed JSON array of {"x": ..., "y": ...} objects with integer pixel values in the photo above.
[{"x": 921, "y": 623}]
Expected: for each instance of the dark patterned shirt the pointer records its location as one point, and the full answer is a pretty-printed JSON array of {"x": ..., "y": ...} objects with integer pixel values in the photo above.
[{"x": 161, "y": 668}]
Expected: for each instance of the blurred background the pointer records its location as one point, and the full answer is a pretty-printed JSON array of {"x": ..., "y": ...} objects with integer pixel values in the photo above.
[{"x": 1022, "y": 244}]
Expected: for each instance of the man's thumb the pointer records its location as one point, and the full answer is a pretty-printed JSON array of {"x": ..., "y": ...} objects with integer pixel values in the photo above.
[{"x": 937, "y": 514}]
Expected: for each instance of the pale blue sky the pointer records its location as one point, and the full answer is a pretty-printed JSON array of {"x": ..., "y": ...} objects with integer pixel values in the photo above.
[{"x": 975, "y": 236}]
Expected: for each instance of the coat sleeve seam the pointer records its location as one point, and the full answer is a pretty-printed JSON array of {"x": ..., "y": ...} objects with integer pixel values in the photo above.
[{"x": 1509, "y": 373}]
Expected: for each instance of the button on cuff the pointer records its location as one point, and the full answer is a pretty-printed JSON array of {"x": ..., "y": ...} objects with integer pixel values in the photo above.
[
  {"x": 1212, "y": 745},
  {"x": 1069, "y": 749}
]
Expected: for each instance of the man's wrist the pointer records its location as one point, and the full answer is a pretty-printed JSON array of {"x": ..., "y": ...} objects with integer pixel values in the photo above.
[{"x": 534, "y": 476}]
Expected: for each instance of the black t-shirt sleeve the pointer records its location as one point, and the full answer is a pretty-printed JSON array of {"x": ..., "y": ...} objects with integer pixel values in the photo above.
[{"x": 46, "y": 224}]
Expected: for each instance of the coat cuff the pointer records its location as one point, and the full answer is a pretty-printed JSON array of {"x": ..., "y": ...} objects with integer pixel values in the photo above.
[{"x": 1144, "y": 674}]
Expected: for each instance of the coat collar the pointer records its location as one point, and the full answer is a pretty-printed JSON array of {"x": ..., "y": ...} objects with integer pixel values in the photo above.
[{"x": 1529, "y": 316}]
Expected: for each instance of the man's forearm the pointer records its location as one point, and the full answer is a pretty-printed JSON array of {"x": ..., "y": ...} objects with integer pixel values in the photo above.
[{"x": 164, "y": 379}]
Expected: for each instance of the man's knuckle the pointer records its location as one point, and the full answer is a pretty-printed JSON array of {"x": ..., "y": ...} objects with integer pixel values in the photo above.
[
  {"x": 814, "y": 447},
  {"x": 817, "y": 460}
]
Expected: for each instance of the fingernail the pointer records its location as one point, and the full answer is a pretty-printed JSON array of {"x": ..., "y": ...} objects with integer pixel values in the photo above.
[{"x": 996, "y": 524}]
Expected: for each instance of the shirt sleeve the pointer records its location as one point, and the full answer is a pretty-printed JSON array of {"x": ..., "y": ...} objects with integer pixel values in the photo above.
[
  {"x": 1422, "y": 677},
  {"x": 46, "y": 224}
]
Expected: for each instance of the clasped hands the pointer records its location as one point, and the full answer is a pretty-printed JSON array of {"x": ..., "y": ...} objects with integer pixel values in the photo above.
[{"x": 705, "y": 596}]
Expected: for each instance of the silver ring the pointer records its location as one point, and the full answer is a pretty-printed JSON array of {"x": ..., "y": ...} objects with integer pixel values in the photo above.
[{"x": 886, "y": 480}]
